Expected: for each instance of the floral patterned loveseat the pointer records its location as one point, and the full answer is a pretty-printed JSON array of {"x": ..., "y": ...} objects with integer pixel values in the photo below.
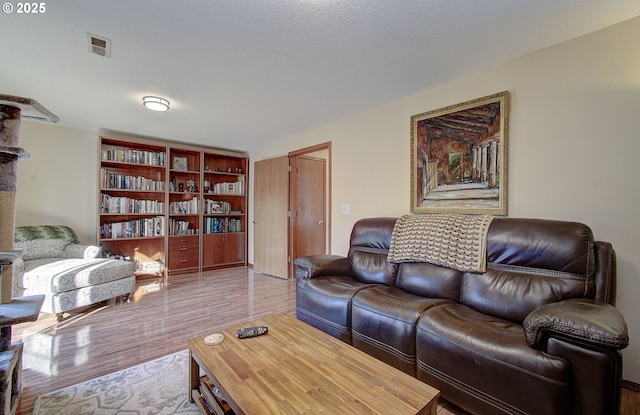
[{"x": 69, "y": 274}]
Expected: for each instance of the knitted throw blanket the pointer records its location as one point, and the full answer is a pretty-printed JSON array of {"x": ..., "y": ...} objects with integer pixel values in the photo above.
[{"x": 451, "y": 240}]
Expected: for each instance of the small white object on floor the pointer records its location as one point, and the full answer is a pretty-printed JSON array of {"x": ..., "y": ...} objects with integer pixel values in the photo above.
[{"x": 213, "y": 339}]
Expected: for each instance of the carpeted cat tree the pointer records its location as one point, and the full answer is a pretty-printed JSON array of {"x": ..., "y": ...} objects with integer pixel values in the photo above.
[{"x": 23, "y": 309}]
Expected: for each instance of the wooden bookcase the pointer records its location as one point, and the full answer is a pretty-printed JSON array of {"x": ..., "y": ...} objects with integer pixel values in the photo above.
[
  {"x": 170, "y": 207},
  {"x": 225, "y": 209}
]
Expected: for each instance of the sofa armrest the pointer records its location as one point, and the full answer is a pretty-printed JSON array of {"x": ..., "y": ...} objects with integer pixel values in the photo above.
[
  {"x": 318, "y": 265},
  {"x": 81, "y": 251},
  {"x": 579, "y": 320}
]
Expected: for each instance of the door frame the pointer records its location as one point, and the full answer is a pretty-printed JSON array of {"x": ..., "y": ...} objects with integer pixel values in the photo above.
[{"x": 294, "y": 194}]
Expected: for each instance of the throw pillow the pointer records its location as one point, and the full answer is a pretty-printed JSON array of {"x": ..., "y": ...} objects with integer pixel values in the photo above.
[
  {"x": 81, "y": 251},
  {"x": 42, "y": 248}
]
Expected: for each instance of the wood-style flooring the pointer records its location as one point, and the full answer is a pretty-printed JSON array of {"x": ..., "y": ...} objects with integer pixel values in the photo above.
[{"x": 158, "y": 320}]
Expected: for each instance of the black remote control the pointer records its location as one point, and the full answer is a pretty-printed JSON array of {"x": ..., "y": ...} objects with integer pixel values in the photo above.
[{"x": 251, "y": 332}]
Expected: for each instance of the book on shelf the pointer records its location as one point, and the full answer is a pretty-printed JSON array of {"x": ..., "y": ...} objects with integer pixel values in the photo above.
[
  {"x": 212, "y": 207},
  {"x": 119, "y": 205},
  {"x": 117, "y": 181},
  {"x": 181, "y": 227},
  {"x": 138, "y": 228},
  {"x": 148, "y": 158},
  {"x": 227, "y": 188},
  {"x": 184, "y": 207},
  {"x": 222, "y": 225}
]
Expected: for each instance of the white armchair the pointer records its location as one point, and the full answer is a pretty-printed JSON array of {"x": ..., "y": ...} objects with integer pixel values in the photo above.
[{"x": 69, "y": 274}]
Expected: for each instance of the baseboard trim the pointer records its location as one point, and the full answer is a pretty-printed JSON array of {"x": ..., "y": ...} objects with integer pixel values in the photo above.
[{"x": 627, "y": 384}]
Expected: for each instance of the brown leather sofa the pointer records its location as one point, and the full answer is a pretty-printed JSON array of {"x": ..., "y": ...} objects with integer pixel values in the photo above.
[{"x": 535, "y": 334}]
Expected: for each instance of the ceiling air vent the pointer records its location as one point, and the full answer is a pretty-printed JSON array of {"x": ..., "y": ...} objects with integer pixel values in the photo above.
[{"x": 99, "y": 45}]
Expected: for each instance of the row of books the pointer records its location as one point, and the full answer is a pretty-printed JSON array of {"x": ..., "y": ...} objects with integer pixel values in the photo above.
[
  {"x": 139, "y": 228},
  {"x": 181, "y": 227},
  {"x": 149, "y": 158},
  {"x": 187, "y": 207},
  {"x": 222, "y": 225},
  {"x": 225, "y": 188},
  {"x": 125, "y": 182},
  {"x": 114, "y": 204}
]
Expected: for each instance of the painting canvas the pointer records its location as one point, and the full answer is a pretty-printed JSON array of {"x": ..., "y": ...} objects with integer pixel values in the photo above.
[
  {"x": 459, "y": 158},
  {"x": 180, "y": 163}
]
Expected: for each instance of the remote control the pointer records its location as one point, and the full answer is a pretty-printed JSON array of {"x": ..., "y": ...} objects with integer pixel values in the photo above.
[{"x": 251, "y": 332}]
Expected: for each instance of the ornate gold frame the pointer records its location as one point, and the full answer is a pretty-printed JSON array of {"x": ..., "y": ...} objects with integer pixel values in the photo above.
[{"x": 459, "y": 157}]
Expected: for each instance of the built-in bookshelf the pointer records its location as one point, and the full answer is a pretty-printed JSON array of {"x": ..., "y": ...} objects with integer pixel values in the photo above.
[
  {"x": 225, "y": 208},
  {"x": 170, "y": 207}
]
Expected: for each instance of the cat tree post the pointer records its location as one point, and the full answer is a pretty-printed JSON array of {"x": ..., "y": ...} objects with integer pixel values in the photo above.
[
  {"x": 12, "y": 109},
  {"x": 22, "y": 309},
  {"x": 9, "y": 154}
]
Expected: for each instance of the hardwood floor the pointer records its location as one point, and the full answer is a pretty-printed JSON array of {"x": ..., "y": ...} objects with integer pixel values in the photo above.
[{"x": 157, "y": 321}]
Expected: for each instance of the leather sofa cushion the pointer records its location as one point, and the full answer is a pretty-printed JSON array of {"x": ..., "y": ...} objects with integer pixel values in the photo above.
[
  {"x": 384, "y": 324},
  {"x": 428, "y": 280},
  {"x": 369, "y": 247},
  {"x": 371, "y": 267},
  {"x": 374, "y": 233},
  {"x": 531, "y": 262},
  {"x": 512, "y": 294},
  {"x": 455, "y": 342},
  {"x": 560, "y": 246},
  {"x": 325, "y": 303}
]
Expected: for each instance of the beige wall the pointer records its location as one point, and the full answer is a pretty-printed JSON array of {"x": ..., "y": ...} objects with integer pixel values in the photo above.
[
  {"x": 573, "y": 149},
  {"x": 574, "y": 143},
  {"x": 57, "y": 185}
]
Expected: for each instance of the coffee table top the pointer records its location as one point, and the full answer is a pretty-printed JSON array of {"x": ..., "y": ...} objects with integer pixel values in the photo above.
[{"x": 298, "y": 369}]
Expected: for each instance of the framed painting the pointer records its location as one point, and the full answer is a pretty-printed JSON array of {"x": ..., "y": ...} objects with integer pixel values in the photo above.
[
  {"x": 459, "y": 157},
  {"x": 180, "y": 163}
]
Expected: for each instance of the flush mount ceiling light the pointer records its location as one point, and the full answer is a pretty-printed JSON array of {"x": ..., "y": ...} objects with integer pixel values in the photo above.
[{"x": 155, "y": 103}]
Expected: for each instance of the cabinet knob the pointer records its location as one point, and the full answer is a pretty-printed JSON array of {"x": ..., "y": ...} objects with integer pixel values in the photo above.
[
  {"x": 320, "y": 222},
  {"x": 254, "y": 221}
]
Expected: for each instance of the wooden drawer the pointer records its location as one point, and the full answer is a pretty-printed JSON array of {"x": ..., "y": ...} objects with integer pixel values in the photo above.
[
  {"x": 184, "y": 252},
  {"x": 176, "y": 242},
  {"x": 183, "y": 259}
]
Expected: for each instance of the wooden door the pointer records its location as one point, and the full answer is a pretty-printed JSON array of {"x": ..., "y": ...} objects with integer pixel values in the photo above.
[
  {"x": 270, "y": 213},
  {"x": 234, "y": 247},
  {"x": 308, "y": 206},
  {"x": 213, "y": 249}
]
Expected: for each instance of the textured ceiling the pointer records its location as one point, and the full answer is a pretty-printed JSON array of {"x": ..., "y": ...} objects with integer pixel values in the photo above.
[{"x": 241, "y": 73}]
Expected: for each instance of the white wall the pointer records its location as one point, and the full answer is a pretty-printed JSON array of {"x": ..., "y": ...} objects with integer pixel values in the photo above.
[
  {"x": 57, "y": 185},
  {"x": 574, "y": 143}
]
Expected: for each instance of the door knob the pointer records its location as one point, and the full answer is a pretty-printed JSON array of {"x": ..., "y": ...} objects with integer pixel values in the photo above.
[{"x": 254, "y": 221}]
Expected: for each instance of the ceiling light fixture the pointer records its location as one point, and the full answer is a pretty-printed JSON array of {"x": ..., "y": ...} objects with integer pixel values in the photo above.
[{"x": 155, "y": 103}]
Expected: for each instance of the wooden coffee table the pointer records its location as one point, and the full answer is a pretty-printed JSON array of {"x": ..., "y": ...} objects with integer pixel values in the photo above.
[{"x": 297, "y": 369}]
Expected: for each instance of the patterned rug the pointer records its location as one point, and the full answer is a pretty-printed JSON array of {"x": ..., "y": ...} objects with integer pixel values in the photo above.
[{"x": 158, "y": 387}]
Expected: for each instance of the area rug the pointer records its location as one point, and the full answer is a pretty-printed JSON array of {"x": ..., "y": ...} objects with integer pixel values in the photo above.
[{"x": 158, "y": 387}]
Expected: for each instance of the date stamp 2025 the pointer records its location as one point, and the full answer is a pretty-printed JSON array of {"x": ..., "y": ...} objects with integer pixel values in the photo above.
[{"x": 24, "y": 8}]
